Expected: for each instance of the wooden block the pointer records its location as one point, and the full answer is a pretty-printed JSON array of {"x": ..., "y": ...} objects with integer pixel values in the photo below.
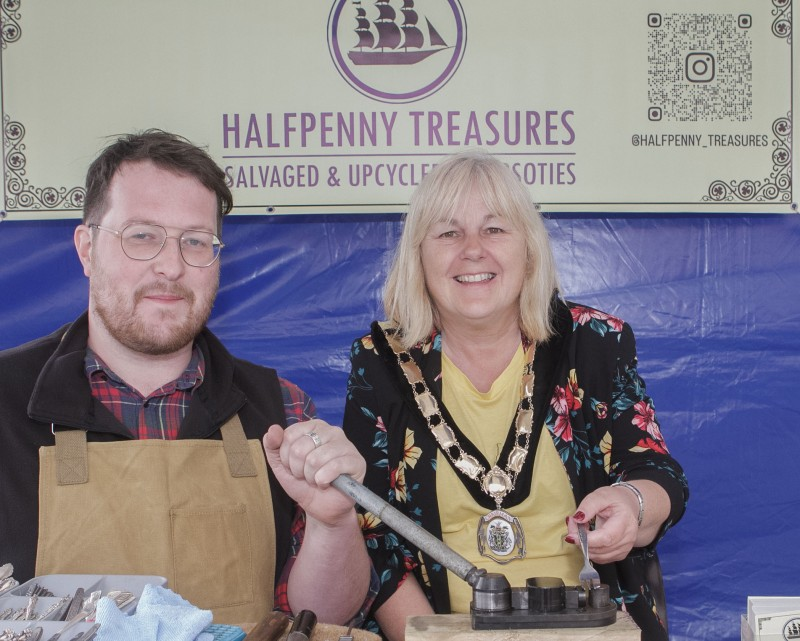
[{"x": 456, "y": 627}]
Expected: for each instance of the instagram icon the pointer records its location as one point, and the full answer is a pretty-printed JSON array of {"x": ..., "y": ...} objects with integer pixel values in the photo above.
[{"x": 700, "y": 67}]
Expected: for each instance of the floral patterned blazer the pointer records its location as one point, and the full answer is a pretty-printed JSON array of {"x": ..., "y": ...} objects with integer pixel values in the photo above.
[{"x": 593, "y": 403}]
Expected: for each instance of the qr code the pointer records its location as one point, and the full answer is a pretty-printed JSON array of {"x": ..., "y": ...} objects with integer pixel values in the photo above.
[{"x": 700, "y": 67}]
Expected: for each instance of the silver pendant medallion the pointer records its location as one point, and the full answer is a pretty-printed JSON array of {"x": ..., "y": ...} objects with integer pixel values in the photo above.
[{"x": 500, "y": 537}]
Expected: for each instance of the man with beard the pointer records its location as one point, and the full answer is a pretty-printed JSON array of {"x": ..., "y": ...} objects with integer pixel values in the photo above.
[{"x": 130, "y": 439}]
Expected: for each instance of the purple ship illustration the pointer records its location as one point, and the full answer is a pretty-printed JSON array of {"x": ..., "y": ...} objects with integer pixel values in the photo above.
[{"x": 397, "y": 43}]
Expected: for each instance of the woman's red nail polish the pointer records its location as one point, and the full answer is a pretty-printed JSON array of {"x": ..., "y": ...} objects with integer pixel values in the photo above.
[
  {"x": 569, "y": 539},
  {"x": 579, "y": 516}
]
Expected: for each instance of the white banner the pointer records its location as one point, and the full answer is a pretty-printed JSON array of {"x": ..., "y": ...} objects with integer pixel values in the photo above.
[{"x": 344, "y": 105}]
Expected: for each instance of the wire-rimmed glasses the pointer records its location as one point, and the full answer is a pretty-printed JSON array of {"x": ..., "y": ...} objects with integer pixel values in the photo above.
[{"x": 144, "y": 241}]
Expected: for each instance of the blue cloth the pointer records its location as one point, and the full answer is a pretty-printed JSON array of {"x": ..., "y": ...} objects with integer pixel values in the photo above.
[{"x": 161, "y": 615}]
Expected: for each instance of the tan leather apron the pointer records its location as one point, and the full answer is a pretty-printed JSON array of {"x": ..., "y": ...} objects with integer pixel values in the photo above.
[{"x": 198, "y": 512}]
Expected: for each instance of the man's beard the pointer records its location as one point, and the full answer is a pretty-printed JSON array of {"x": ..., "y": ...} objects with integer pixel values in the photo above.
[{"x": 128, "y": 328}]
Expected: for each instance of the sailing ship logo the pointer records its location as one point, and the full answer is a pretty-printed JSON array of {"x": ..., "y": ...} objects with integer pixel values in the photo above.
[
  {"x": 397, "y": 43},
  {"x": 397, "y": 50}
]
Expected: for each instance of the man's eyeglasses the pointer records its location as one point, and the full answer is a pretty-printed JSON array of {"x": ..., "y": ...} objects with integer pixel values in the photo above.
[{"x": 143, "y": 241}]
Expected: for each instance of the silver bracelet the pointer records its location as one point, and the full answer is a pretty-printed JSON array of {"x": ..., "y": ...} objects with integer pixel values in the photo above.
[{"x": 639, "y": 498}]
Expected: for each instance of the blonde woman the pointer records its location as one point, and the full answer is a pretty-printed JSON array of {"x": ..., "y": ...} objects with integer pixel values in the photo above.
[{"x": 498, "y": 416}]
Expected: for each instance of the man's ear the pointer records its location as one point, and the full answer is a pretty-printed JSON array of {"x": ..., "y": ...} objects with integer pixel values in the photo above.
[{"x": 83, "y": 245}]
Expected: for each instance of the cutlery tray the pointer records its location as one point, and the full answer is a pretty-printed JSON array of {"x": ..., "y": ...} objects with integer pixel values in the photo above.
[{"x": 65, "y": 585}]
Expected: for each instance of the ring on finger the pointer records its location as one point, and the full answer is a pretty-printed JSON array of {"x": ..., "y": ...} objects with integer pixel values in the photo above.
[{"x": 314, "y": 437}]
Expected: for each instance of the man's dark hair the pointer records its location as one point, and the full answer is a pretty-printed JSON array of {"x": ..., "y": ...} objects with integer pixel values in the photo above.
[{"x": 166, "y": 151}]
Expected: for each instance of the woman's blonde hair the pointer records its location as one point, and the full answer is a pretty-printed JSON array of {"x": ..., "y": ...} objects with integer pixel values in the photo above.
[{"x": 406, "y": 300}]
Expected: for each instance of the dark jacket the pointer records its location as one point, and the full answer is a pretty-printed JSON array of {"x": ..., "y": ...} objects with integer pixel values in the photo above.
[
  {"x": 43, "y": 386},
  {"x": 588, "y": 394}
]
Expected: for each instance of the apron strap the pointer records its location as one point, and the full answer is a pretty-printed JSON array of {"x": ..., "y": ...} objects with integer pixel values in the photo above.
[
  {"x": 240, "y": 462},
  {"x": 72, "y": 453},
  {"x": 72, "y": 457}
]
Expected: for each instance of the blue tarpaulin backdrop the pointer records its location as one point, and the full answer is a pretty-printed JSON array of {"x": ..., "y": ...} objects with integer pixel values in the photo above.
[{"x": 713, "y": 301}]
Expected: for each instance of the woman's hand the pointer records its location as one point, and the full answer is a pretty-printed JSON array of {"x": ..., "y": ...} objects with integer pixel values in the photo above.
[{"x": 615, "y": 510}]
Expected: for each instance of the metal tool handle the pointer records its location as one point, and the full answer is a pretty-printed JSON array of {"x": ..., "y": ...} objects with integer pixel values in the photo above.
[
  {"x": 404, "y": 526},
  {"x": 303, "y": 626}
]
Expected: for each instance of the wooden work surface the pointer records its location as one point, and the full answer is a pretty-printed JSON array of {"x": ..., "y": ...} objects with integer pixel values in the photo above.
[
  {"x": 321, "y": 632},
  {"x": 456, "y": 627}
]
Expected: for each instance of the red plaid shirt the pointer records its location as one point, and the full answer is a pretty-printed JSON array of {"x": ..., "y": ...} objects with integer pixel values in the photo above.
[{"x": 160, "y": 414}]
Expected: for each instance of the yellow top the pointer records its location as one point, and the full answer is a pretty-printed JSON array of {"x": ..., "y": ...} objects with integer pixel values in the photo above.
[{"x": 485, "y": 419}]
